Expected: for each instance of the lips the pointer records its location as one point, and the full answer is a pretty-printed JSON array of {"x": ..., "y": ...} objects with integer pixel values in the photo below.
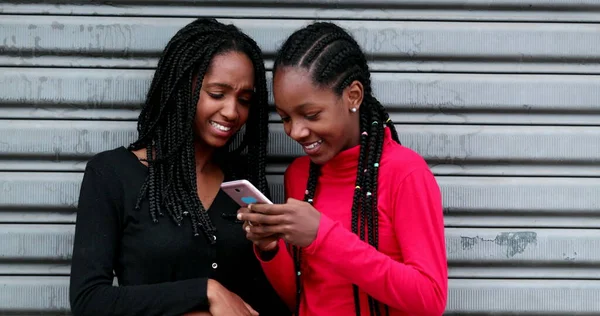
[
  {"x": 223, "y": 130},
  {"x": 312, "y": 147},
  {"x": 220, "y": 126}
]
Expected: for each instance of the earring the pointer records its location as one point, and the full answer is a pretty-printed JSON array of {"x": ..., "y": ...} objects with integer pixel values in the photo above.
[{"x": 353, "y": 110}]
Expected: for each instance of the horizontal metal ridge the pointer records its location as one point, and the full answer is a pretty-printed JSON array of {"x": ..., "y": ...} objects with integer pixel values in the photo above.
[
  {"x": 479, "y": 10},
  {"x": 456, "y": 145},
  {"x": 44, "y": 248},
  {"x": 468, "y": 201},
  {"x": 49, "y": 295},
  {"x": 409, "y": 97},
  {"x": 134, "y": 37},
  {"x": 397, "y": 65}
]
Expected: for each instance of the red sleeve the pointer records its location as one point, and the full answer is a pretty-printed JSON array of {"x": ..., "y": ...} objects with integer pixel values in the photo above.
[
  {"x": 280, "y": 269},
  {"x": 418, "y": 285},
  {"x": 280, "y": 273}
]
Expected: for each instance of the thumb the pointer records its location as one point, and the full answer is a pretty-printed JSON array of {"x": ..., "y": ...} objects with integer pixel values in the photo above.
[
  {"x": 251, "y": 310},
  {"x": 268, "y": 245}
]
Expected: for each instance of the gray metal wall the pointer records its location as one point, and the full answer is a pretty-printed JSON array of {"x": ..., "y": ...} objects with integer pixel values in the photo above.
[{"x": 501, "y": 97}]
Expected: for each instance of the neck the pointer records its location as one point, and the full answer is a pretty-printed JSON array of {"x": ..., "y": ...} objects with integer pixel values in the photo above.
[
  {"x": 355, "y": 132},
  {"x": 203, "y": 158}
]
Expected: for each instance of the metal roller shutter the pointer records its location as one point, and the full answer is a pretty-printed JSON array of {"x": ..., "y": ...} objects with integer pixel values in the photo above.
[{"x": 501, "y": 97}]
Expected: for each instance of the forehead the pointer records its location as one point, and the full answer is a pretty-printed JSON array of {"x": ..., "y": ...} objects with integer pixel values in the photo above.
[
  {"x": 232, "y": 68},
  {"x": 293, "y": 87}
]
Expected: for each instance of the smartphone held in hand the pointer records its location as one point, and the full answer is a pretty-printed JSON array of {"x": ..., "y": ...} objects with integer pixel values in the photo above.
[{"x": 243, "y": 193}]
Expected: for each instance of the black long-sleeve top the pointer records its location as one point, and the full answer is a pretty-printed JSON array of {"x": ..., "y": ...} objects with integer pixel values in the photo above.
[{"x": 161, "y": 268}]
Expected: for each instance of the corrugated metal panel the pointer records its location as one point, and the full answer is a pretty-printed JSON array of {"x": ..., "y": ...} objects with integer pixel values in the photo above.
[
  {"x": 504, "y": 106},
  {"x": 410, "y": 97},
  {"x": 34, "y": 295},
  {"x": 490, "y": 253},
  {"x": 473, "y": 10},
  {"x": 450, "y": 149},
  {"x": 468, "y": 201},
  {"x": 523, "y": 297},
  {"x": 49, "y": 295},
  {"x": 395, "y": 46}
]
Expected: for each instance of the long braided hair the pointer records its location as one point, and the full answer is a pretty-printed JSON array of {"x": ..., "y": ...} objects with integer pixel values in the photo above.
[
  {"x": 335, "y": 60},
  {"x": 165, "y": 124}
]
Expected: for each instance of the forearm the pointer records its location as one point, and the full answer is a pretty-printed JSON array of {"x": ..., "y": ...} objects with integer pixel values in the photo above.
[
  {"x": 408, "y": 287},
  {"x": 279, "y": 270},
  {"x": 173, "y": 298}
]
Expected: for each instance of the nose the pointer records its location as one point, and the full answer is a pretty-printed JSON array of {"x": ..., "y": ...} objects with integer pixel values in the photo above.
[
  {"x": 230, "y": 110},
  {"x": 298, "y": 131}
]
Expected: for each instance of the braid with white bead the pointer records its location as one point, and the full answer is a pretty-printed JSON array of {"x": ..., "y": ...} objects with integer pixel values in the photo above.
[{"x": 335, "y": 60}]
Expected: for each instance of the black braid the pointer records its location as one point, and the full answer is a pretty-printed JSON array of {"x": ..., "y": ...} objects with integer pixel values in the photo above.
[
  {"x": 165, "y": 124},
  {"x": 335, "y": 60}
]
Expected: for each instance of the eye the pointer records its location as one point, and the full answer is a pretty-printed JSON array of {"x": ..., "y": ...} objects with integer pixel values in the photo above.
[
  {"x": 312, "y": 117},
  {"x": 285, "y": 119},
  {"x": 215, "y": 96},
  {"x": 245, "y": 101}
]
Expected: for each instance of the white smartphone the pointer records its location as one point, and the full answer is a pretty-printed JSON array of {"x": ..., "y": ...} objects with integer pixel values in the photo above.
[{"x": 243, "y": 193}]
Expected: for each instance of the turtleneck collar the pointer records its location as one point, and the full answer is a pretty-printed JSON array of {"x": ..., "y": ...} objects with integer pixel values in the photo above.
[{"x": 345, "y": 162}]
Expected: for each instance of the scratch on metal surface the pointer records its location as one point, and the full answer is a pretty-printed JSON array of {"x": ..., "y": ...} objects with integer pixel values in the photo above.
[
  {"x": 567, "y": 257},
  {"x": 57, "y": 142},
  {"x": 57, "y": 26},
  {"x": 415, "y": 39},
  {"x": 447, "y": 100},
  {"x": 83, "y": 145},
  {"x": 515, "y": 242}
]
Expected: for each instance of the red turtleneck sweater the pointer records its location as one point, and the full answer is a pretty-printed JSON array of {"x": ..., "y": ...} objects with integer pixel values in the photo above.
[{"x": 408, "y": 272}]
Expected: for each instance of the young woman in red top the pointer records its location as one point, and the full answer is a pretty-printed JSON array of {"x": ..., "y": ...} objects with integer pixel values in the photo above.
[{"x": 363, "y": 222}]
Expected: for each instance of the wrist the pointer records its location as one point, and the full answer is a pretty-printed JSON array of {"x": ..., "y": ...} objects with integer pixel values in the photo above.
[{"x": 267, "y": 254}]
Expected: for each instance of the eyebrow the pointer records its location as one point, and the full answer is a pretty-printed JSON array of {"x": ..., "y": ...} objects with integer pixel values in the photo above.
[
  {"x": 299, "y": 106},
  {"x": 227, "y": 86}
]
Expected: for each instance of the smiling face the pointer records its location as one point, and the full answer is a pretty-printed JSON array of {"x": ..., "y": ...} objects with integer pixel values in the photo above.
[
  {"x": 225, "y": 98},
  {"x": 317, "y": 118}
]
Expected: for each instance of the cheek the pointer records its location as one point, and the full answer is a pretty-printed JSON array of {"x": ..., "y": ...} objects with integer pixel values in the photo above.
[
  {"x": 201, "y": 107},
  {"x": 333, "y": 127},
  {"x": 243, "y": 112},
  {"x": 287, "y": 128}
]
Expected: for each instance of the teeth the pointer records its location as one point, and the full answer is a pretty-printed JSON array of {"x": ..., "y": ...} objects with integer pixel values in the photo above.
[
  {"x": 220, "y": 127},
  {"x": 313, "y": 145}
]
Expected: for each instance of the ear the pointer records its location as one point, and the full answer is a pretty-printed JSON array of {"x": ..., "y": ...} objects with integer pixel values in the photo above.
[{"x": 353, "y": 95}]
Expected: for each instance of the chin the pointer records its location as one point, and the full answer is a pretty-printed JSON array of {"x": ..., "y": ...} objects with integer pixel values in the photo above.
[
  {"x": 320, "y": 159},
  {"x": 218, "y": 144},
  {"x": 214, "y": 142}
]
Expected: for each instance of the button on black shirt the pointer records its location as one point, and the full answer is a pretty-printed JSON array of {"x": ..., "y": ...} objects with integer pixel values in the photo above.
[{"x": 162, "y": 268}]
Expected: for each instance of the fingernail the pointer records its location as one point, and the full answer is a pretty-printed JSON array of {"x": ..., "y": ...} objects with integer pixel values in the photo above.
[
  {"x": 239, "y": 216},
  {"x": 248, "y": 228},
  {"x": 250, "y": 206}
]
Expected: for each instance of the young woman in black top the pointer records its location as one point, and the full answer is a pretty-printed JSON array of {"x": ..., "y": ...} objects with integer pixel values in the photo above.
[{"x": 153, "y": 214}]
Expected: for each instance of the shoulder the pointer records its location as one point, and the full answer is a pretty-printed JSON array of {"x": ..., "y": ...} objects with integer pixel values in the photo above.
[
  {"x": 109, "y": 163},
  {"x": 399, "y": 161}
]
